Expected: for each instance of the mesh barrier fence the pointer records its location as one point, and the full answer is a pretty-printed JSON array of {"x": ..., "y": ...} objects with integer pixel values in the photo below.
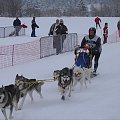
[
  {"x": 2, "y": 32},
  {"x": 21, "y": 53},
  {"x": 9, "y": 31},
  {"x": 114, "y": 37}
]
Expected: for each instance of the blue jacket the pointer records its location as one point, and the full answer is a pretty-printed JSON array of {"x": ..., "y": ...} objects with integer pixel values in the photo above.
[{"x": 83, "y": 60}]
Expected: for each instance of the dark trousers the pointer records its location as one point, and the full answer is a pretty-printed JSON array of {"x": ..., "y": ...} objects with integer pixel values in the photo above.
[
  {"x": 58, "y": 44},
  {"x": 96, "y": 57},
  {"x": 119, "y": 32},
  {"x": 58, "y": 41},
  {"x": 33, "y": 33},
  {"x": 105, "y": 39},
  {"x": 98, "y": 24},
  {"x": 17, "y": 29}
]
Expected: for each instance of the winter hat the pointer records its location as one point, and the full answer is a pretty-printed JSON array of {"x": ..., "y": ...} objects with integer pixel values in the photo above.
[
  {"x": 92, "y": 29},
  {"x": 61, "y": 20}
]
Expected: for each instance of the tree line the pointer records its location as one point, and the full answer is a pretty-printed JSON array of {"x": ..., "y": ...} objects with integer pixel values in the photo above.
[{"x": 54, "y": 8}]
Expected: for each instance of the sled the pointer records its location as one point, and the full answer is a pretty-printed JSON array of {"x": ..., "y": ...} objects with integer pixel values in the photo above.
[
  {"x": 13, "y": 33},
  {"x": 83, "y": 60}
]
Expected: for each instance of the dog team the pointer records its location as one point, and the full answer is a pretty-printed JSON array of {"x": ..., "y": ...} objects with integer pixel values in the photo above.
[{"x": 67, "y": 78}]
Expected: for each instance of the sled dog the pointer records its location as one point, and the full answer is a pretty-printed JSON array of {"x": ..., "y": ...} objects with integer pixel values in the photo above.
[
  {"x": 65, "y": 82},
  {"x": 9, "y": 96},
  {"x": 81, "y": 75},
  {"x": 27, "y": 86}
]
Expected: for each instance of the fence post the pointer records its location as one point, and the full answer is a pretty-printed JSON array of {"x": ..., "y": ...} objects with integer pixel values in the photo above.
[
  {"x": 4, "y": 32},
  {"x": 13, "y": 56},
  {"x": 40, "y": 47},
  {"x": 116, "y": 36}
]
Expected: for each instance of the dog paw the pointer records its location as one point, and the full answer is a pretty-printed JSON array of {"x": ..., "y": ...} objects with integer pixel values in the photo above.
[{"x": 63, "y": 97}]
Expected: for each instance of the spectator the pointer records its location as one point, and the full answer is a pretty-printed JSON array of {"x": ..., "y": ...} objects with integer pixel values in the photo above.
[
  {"x": 118, "y": 26},
  {"x": 95, "y": 47},
  {"x": 34, "y": 25},
  {"x": 97, "y": 21},
  {"x": 105, "y": 33},
  {"x": 53, "y": 32},
  {"x": 61, "y": 31},
  {"x": 53, "y": 27},
  {"x": 17, "y": 26}
]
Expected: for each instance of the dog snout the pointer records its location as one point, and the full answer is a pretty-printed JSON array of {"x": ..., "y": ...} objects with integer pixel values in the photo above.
[{"x": 77, "y": 74}]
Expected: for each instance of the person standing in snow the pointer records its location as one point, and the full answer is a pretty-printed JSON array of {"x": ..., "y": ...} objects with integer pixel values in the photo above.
[
  {"x": 118, "y": 26},
  {"x": 95, "y": 47},
  {"x": 61, "y": 31},
  {"x": 53, "y": 27},
  {"x": 52, "y": 31},
  {"x": 34, "y": 25},
  {"x": 17, "y": 26},
  {"x": 97, "y": 21},
  {"x": 105, "y": 33}
]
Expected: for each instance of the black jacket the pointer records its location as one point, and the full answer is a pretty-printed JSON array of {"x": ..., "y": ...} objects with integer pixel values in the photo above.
[
  {"x": 61, "y": 29},
  {"x": 118, "y": 24},
  {"x": 16, "y": 22},
  {"x": 52, "y": 29},
  {"x": 34, "y": 25}
]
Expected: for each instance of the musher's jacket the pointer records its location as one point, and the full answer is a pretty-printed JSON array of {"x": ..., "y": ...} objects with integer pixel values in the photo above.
[{"x": 94, "y": 44}]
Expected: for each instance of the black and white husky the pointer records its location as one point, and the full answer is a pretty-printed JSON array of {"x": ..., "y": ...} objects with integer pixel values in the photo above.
[
  {"x": 27, "y": 86},
  {"x": 9, "y": 96},
  {"x": 65, "y": 82}
]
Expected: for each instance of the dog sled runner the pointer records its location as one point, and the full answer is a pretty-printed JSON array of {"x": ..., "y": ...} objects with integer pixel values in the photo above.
[
  {"x": 83, "y": 59},
  {"x": 94, "y": 75}
]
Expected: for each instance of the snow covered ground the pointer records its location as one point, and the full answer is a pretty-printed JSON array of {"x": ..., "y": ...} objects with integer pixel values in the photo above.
[{"x": 101, "y": 100}]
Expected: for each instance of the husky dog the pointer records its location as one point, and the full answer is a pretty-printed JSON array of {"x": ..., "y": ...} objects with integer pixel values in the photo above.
[
  {"x": 27, "y": 86},
  {"x": 65, "y": 82},
  {"x": 81, "y": 75},
  {"x": 9, "y": 96},
  {"x": 56, "y": 75}
]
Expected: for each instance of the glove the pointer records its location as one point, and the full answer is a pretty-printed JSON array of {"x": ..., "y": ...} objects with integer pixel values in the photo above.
[
  {"x": 95, "y": 51},
  {"x": 91, "y": 46}
]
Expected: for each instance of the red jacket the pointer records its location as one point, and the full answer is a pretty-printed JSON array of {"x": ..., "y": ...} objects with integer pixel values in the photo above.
[{"x": 97, "y": 20}]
